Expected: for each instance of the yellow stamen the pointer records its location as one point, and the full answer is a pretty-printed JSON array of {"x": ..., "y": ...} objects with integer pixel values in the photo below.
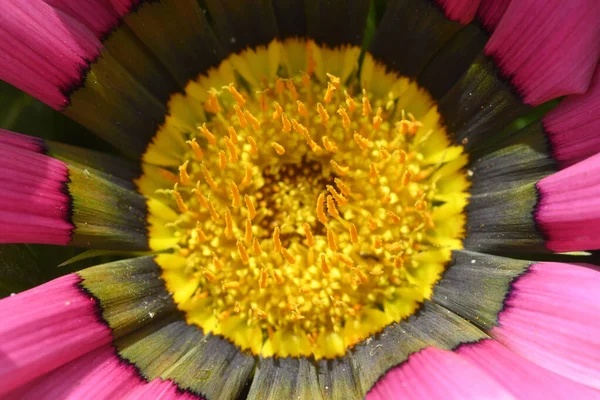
[
  {"x": 212, "y": 103},
  {"x": 256, "y": 247},
  {"x": 331, "y": 240},
  {"x": 232, "y": 134},
  {"x": 231, "y": 285},
  {"x": 233, "y": 157},
  {"x": 290, "y": 86},
  {"x": 335, "y": 81},
  {"x": 207, "y": 134},
  {"x": 279, "y": 149},
  {"x": 198, "y": 153},
  {"x": 342, "y": 186},
  {"x": 228, "y": 224},
  {"x": 235, "y": 194},
  {"x": 209, "y": 275},
  {"x": 331, "y": 208},
  {"x": 252, "y": 142},
  {"x": 302, "y": 109},
  {"x": 222, "y": 160},
  {"x": 184, "y": 178},
  {"x": 329, "y": 145},
  {"x": 324, "y": 265},
  {"x": 247, "y": 177},
  {"x": 361, "y": 141},
  {"x": 406, "y": 177},
  {"x": 289, "y": 257},
  {"x": 183, "y": 208},
  {"x": 321, "y": 216},
  {"x": 242, "y": 252},
  {"x": 372, "y": 223},
  {"x": 248, "y": 231},
  {"x": 350, "y": 102},
  {"x": 239, "y": 99},
  {"x": 277, "y": 240},
  {"x": 250, "y": 207},
  {"x": 339, "y": 169},
  {"x": 287, "y": 126},
  {"x": 323, "y": 115},
  {"x": 353, "y": 233},
  {"x": 345, "y": 118},
  {"x": 366, "y": 105},
  {"x": 240, "y": 116},
  {"x": 377, "y": 120},
  {"x": 341, "y": 200},
  {"x": 253, "y": 120},
  {"x": 278, "y": 111},
  {"x": 329, "y": 93},
  {"x": 263, "y": 277},
  {"x": 310, "y": 239}
]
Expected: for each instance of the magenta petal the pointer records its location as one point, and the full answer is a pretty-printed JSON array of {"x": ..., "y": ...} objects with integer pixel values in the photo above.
[
  {"x": 44, "y": 328},
  {"x": 159, "y": 390},
  {"x": 522, "y": 378},
  {"x": 43, "y": 51},
  {"x": 99, "y": 374},
  {"x": 551, "y": 318},
  {"x": 547, "y": 48},
  {"x": 573, "y": 127},
  {"x": 490, "y": 12},
  {"x": 462, "y": 11},
  {"x": 568, "y": 211},
  {"x": 8, "y": 138},
  {"x": 34, "y": 202},
  {"x": 437, "y": 374}
]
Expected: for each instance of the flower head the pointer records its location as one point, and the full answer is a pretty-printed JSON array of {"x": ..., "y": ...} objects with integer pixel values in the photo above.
[{"x": 314, "y": 199}]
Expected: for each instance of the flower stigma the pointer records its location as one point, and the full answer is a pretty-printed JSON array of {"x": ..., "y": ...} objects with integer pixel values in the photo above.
[{"x": 310, "y": 215}]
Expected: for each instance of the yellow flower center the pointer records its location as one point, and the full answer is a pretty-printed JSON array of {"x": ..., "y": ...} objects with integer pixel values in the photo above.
[{"x": 307, "y": 216}]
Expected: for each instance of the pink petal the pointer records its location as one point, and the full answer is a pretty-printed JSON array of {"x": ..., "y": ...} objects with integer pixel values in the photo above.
[
  {"x": 34, "y": 202},
  {"x": 568, "y": 211},
  {"x": 159, "y": 389},
  {"x": 97, "y": 15},
  {"x": 573, "y": 127},
  {"x": 99, "y": 374},
  {"x": 462, "y": 11},
  {"x": 547, "y": 48},
  {"x": 522, "y": 378},
  {"x": 551, "y": 318},
  {"x": 43, "y": 51},
  {"x": 490, "y": 12},
  {"x": 44, "y": 328},
  {"x": 433, "y": 373}
]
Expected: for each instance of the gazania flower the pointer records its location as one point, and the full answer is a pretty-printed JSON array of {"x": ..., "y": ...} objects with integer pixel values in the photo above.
[{"x": 318, "y": 199}]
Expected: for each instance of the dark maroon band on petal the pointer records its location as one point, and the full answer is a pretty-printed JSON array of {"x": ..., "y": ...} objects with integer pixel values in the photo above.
[
  {"x": 490, "y": 12},
  {"x": 462, "y": 11},
  {"x": 568, "y": 209},
  {"x": 97, "y": 15},
  {"x": 35, "y": 206}
]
